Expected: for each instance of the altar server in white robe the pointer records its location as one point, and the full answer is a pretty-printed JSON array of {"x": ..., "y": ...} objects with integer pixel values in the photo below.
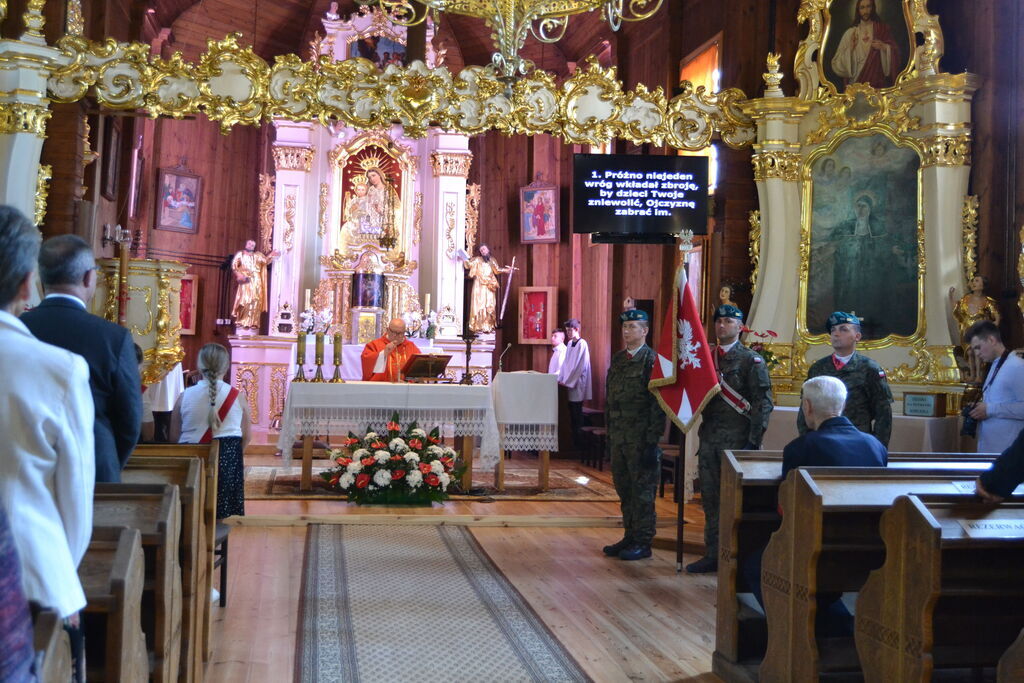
[{"x": 575, "y": 377}]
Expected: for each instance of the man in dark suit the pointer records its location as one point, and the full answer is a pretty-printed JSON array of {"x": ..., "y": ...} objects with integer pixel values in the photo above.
[
  {"x": 1006, "y": 474},
  {"x": 832, "y": 441},
  {"x": 67, "y": 270}
]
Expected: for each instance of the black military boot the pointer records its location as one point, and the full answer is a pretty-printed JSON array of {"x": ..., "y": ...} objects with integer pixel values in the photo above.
[
  {"x": 705, "y": 565},
  {"x": 635, "y": 551},
  {"x": 614, "y": 549}
]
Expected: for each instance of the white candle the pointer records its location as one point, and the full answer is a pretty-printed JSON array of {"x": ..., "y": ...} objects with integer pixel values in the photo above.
[
  {"x": 426, "y": 306},
  {"x": 306, "y": 307}
]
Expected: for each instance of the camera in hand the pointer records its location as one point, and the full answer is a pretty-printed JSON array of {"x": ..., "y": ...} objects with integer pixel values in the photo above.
[{"x": 970, "y": 425}]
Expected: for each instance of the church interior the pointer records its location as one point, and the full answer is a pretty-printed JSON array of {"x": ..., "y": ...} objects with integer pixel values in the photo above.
[{"x": 348, "y": 191}]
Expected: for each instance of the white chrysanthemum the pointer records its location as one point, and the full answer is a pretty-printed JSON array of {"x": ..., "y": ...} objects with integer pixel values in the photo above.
[
  {"x": 412, "y": 458},
  {"x": 354, "y": 467},
  {"x": 450, "y": 452},
  {"x": 436, "y": 467},
  {"x": 360, "y": 454},
  {"x": 370, "y": 436},
  {"x": 445, "y": 480},
  {"x": 382, "y": 478},
  {"x": 418, "y": 432},
  {"x": 381, "y": 456},
  {"x": 435, "y": 450},
  {"x": 414, "y": 478},
  {"x": 398, "y": 445},
  {"x": 346, "y": 480}
]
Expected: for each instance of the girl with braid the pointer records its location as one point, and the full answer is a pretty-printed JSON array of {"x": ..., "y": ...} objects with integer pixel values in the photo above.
[{"x": 213, "y": 409}]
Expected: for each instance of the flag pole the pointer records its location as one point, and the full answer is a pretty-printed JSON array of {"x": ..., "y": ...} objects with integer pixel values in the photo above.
[{"x": 685, "y": 246}]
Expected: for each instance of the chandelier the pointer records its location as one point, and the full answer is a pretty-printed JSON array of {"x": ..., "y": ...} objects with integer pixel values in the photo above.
[{"x": 512, "y": 20}]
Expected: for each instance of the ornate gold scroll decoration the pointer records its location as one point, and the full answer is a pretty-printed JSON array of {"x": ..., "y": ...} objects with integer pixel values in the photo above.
[
  {"x": 773, "y": 76},
  {"x": 266, "y": 212},
  {"x": 42, "y": 191},
  {"x": 887, "y": 109},
  {"x": 168, "y": 352},
  {"x": 278, "y": 389},
  {"x": 754, "y": 218},
  {"x": 289, "y": 219},
  {"x": 455, "y": 164},
  {"x": 946, "y": 150},
  {"x": 777, "y": 164},
  {"x": 75, "y": 22},
  {"x": 247, "y": 380},
  {"x": 472, "y": 215},
  {"x": 450, "y": 213},
  {"x": 932, "y": 365},
  {"x": 970, "y": 236},
  {"x": 288, "y": 158},
  {"x": 20, "y": 117},
  {"x": 417, "y": 218},
  {"x": 325, "y": 193},
  {"x": 147, "y": 293},
  {"x": 34, "y": 22}
]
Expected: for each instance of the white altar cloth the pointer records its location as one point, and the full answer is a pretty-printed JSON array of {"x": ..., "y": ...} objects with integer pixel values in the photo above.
[
  {"x": 164, "y": 394},
  {"x": 526, "y": 407},
  {"x": 322, "y": 408},
  {"x": 351, "y": 358}
]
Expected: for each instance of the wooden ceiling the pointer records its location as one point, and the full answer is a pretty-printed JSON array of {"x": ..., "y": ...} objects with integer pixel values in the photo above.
[{"x": 277, "y": 27}]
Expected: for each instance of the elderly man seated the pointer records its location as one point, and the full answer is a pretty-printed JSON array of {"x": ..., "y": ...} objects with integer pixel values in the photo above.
[{"x": 832, "y": 441}]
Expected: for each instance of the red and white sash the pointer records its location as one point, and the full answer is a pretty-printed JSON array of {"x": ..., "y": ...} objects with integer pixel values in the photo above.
[
  {"x": 222, "y": 413},
  {"x": 730, "y": 395}
]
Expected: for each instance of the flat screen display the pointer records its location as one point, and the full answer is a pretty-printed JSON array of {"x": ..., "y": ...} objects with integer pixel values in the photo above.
[{"x": 629, "y": 194}]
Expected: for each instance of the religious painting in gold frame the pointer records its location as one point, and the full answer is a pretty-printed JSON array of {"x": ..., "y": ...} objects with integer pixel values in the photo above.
[
  {"x": 537, "y": 314},
  {"x": 862, "y": 241},
  {"x": 867, "y": 42}
]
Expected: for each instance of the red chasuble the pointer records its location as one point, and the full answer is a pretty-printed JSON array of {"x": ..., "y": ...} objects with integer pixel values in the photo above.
[{"x": 396, "y": 360}]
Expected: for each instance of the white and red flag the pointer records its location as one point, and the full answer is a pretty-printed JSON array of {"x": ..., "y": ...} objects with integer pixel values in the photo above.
[{"x": 684, "y": 377}]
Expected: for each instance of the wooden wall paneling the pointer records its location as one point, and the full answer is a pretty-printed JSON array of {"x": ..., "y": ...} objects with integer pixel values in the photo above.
[{"x": 63, "y": 151}]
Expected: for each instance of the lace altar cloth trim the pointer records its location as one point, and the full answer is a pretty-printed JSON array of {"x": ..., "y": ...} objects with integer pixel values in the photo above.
[{"x": 529, "y": 437}]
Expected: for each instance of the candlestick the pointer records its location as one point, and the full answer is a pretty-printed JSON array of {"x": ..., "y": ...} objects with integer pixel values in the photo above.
[
  {"x": 306, "y": 307},
  {"x": 319, "y": 358},
  {"x": 337, "y": 360},
  {"x": 426, "y": 306},
  {"x": 300, "y": 358}
]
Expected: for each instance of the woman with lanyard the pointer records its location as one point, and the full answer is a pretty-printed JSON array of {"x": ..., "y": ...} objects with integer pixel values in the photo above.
[{"x": 213, "y": 409}]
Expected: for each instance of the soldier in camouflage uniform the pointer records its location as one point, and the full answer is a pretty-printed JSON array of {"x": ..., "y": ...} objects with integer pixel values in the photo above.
[
  {"x": 868, "y": 400},
  {"x": 734, "y": 419},
  {"x": 635, "y": 425}
]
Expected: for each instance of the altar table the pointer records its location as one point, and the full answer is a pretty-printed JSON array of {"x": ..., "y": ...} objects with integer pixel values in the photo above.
[
  {"x": 526, "y": 409},
  {"x": 314, "y": 408}
]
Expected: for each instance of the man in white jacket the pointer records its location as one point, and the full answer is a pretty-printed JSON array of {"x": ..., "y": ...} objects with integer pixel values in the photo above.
[
  {"x": 47, "y": 464},
  {"x": 575, "y": 376}
]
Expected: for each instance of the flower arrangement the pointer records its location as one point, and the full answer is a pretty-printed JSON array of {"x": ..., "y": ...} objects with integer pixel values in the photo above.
[
  {"x": 402, "y": 466},
  {"x": 761, "y": 347},
  {"x": 312, "y": 321}
]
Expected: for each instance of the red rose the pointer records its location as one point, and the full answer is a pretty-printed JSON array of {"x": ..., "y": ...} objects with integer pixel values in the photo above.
[
  {"x": 432, "y": 479},
  {"x": 394, "y": 427},
  {"x": 415, "y": 444},
  {"x": 367, "y": 461},
  {"x": 433, "y": 439},
  {"x": 424, "y": 467},
  {"x": 397, "y": 474},
  {"x": 362, "y": 481}
]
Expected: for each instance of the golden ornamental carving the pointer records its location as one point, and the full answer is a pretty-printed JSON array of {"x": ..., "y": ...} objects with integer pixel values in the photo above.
[
  {"x": 889, "y": 110},
  {"x": 417, "y": 218},
  {"x": 472, "y": 216},
  {"x": 288, "y": 158},
  {"x": 932, "y": 365},
  {"x": 454, "y": 164},
  {"x": 266, "y": 193},
  {"x": 970, "y": 236},
  {"x": 278, "y": 390},
  {"x": 754, "y": 218},
  {"x": 289, "y": 220},
  {"x": 147, "y": 293},
  {"x": 450, "y": 213},
  {"x": 247, "y": 380},
  {"x": 946, "y": 150},
  {"x": 777, "y": 164},
  {"x": 798, "y": 359},
  {"x": 42, "y": 191},
  {"x": 21, "y": 117},
  {"x": 325, "y": 194},
  {"x": 34, "y": 22},
  {"x": 167, "y": 351},
  {"x": 110, "y": 305},
  {"x": 772, "y": 77},
  {"x": 75, "y": 22}
]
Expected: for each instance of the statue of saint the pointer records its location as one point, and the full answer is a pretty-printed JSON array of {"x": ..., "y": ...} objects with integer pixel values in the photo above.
[
  {"x": 250, "y": 269},
  {"x": 483, "y": 313},
  {"x": 973, "y": 307}
]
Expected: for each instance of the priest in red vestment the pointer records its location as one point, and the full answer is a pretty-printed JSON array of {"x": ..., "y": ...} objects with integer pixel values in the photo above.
[
  {"x": 867, "y": 52},
  {"x": 384, "y": 358}
]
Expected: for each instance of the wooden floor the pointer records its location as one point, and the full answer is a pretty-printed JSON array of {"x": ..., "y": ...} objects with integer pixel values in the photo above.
[{"x": 638, "y": 621}]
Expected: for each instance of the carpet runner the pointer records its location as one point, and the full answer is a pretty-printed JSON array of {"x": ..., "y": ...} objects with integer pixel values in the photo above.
[{"x": 424, "y": 603}]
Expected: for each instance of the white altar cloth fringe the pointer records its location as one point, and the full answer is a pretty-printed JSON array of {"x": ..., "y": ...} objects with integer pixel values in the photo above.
[
  {"x": 526, "y": 407},
  {"x": 318, "y": 409}
]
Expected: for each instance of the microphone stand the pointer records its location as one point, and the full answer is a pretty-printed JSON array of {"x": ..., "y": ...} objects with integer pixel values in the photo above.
[
  {"x": 502, "y": 356},
  {"x": 469, "y": 338}
]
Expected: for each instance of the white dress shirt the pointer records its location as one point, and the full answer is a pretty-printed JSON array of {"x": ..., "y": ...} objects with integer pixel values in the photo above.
[
  {"x": 557, "y": 359},
  {"x": 575, "y": 372},
  {"x": 1004, "y": 404},
  {"x": 47, "y": 462}
]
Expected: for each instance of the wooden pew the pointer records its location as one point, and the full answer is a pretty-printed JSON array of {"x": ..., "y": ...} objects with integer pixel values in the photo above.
[
  {"x": 186, "y": 474},
  {"x": 112, "y": 573},
  {"x": 943, "y": 599},
  {"x": 829, "y": 542},
  {"x": 155, "y": 511},
  {"x": 50, "y": 639},
  {"x": 748, "y": 517},
  {"x": 208, "y": 454}
]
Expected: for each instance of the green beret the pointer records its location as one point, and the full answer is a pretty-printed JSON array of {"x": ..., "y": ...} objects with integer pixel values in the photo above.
[
  {"x": 726, "y": 311},
  {"x": 838, "y": 318},
  {"x": 634, "y": 314}
]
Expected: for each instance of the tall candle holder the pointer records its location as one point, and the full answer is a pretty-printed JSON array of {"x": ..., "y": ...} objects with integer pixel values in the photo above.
[
  {"x": 300, "y": 358},
  {"x": 337, "y": 360},
  {"x": 469, "y": 338},
  {"x": 318, "y": 358}
]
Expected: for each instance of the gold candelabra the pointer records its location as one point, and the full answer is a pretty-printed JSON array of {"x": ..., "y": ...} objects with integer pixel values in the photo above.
[
  {"x": 300, "y": 358},
  {"x": 318, "y": 358},
  {"x": 337, "y": 360}
]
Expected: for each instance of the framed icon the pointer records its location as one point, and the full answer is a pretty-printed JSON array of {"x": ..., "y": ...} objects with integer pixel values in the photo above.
[{"x": 538, "y": 309}]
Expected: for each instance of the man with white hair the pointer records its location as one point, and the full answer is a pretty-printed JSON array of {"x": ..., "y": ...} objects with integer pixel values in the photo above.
[{"x": 832, "y": 440}]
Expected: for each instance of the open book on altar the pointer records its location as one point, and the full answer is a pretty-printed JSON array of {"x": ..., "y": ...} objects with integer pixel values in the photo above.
[{"x": 425, "y": 366}]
